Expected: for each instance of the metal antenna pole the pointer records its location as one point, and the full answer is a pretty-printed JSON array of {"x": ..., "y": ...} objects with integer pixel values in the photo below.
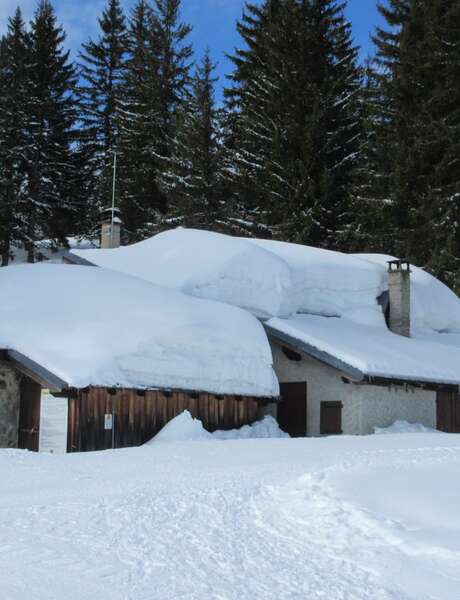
[{"x": 113, "y": 196}]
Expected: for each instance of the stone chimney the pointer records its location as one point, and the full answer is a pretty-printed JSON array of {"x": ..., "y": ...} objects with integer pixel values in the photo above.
[
  {"x": 399, "y": 297},
  {"x": 110, "y": 228}
]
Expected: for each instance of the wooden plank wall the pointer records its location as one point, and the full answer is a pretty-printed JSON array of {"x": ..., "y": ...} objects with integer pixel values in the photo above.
[{"x": 138, "y": 416}]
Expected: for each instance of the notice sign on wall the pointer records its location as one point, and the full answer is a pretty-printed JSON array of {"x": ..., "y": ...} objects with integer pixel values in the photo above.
[{"x": 108, "y": 421}]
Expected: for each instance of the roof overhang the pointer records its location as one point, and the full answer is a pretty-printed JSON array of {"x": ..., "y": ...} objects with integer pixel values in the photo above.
[
  {"x": 310, "y": 350},
  {"x": 354, "y": 374},
  {"x": 35, "y": 371},
  {"x": 72, "y": 259}
]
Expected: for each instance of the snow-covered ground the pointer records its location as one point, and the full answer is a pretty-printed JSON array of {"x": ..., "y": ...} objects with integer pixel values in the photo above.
[{"x": 337, "y": 518}]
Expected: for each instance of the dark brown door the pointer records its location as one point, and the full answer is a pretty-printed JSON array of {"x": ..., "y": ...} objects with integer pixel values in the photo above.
[
  {"x": 292, "y": 410},
  {"x": 331, "y": 418},
  {"x": 448, "y": 412},
  {"x": 29, "y": 415}
]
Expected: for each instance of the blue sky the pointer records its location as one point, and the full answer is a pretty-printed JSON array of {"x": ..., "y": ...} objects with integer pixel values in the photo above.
[{"x": 213, "y": 22}]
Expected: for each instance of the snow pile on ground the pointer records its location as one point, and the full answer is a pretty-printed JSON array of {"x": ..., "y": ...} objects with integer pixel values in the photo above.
[
  {"x": 186, "y": 428},
  {"x": 206, "y": 265},
  {"x": 350, "y": 518},
  {"x": 266, "y": 428},
  {"x": 182, "y": 428},
  {"x": 97, "y": 327},
  {"x": 434, "y": 307},
  {"x": 375, "y": 351},
  {"x": 404, "y": 427}
]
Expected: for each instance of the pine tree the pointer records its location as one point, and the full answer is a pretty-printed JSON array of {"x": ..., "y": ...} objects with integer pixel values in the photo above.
[
  {"x": 47, "y": 207},
  {"x": 101, "y": 97},
  {"x": 14, "y": 49},
  {"x": 295, "y": 141},
  {"x": 194, "y": 177}
]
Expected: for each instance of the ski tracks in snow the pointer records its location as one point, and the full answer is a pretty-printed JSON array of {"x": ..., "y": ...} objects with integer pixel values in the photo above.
[
  {"x": 294, "y": 541},
  {"x": 192, "y": 528}
]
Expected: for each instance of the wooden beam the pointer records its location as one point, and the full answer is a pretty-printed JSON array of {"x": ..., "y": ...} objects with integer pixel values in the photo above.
[{"x": 426, "y": 385}]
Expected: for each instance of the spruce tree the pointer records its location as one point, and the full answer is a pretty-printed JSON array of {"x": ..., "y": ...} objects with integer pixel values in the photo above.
[
  {"x": 417, "y": 131},
  {"x": 14, "y": 73},
  {"x": 172, "y": 85},
  {"x": 141, "y": 201},
  {"x": 194, "y": 176},
  {"x": 156, "y": 85},
  {"x": 101, "y": 98},
  {"x": 47, "y": 207},
  {"x": 295, "y": 143}
]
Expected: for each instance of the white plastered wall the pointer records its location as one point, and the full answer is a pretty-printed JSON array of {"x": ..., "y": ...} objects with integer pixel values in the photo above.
[{"x": 364, "y": 406}]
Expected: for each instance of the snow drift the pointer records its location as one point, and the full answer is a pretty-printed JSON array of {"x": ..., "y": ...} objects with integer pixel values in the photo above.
[
  {"x": 404, "y": 427},
  {"x": 97, "y": 327},
  {"x": 330, "y": 283},
  {"x": 270, "y": 279},
  {"x": 278, "y": 279},
  {"x": 206, "y": 265},
  {"x": 186, "y": 428}
]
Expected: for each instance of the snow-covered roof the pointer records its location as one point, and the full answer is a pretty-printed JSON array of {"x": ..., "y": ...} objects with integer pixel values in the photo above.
[
  {"x": 371, "y": 350},
  {"x": 205, "y": 265},
  {"x": 47, "y": 251},
  {"x": 277, "y": 279},
  {"x": 267, "y": 278},
  {"x": 99, "y": 327},
  {"x": 434, "y": 307},
  {"x": 298, "y": 289}
]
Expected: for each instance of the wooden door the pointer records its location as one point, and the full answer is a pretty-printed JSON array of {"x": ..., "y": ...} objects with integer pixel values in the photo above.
[
  {"x": 29, "y": 415},
  {"x": 448, "y": 412},
  {"x": 331, "y": 418},
  {"x": 292, "y": 410}
]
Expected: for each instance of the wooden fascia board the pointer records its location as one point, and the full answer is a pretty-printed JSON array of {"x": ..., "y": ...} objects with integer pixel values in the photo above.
[
  {"x": 37, "y": 372},
  {"x": 71, "y": 258}
]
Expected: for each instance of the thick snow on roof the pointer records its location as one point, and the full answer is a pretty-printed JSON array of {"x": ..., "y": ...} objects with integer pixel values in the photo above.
[
  {"x": 434, "y": 307},
  {"x": 206, "y": 265},
  {"x": 278, "y": 279},
  {"x": 97, "y": 327},
  {"x": 267, "y": 278},
  {"x": 328, "y": 283},
  {"x": 375, "y": 351}
]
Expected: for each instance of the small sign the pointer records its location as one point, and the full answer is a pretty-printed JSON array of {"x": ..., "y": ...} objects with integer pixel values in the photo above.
[{"x": 108, "y": 422}]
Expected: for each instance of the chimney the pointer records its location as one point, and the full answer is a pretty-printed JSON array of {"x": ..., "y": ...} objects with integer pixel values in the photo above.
[
  {"x": 110, "y": 228},
  {"x": 399, "y": 297}
]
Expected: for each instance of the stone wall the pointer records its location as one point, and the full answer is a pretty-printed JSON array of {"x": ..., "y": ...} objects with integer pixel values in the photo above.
[
  {"x": 9, "y": 406},
  {"x": 364, "y": 406}
]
